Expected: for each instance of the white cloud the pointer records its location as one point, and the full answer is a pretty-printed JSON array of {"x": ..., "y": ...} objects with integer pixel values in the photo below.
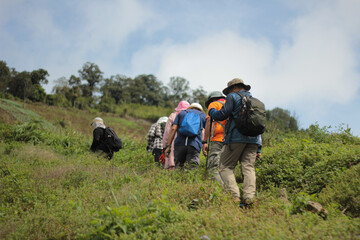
[
  {"x": 317, "y": 64},
  {"x": 60, "y": 37}
]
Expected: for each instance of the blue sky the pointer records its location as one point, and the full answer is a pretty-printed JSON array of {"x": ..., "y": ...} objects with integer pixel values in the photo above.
[{"x": 303, "y": 56}]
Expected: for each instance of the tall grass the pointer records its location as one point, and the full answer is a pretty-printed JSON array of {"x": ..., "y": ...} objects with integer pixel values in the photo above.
[{"x": 52, "y": 187}]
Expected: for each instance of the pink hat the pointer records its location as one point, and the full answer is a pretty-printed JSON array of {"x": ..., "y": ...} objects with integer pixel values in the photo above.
[{"x": 182, "y": 106}]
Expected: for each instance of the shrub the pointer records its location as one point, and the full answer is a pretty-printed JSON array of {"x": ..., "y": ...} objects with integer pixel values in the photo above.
[
  {"x": 140, "y": 223},
  {"x": 345, "y": 190}
]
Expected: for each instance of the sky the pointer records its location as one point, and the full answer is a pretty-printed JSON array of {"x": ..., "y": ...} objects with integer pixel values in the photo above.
[{"x": 302, "y": 56}]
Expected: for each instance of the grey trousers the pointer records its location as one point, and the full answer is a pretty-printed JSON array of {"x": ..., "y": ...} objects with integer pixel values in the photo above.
[
  {"x": 245, "y": 154},
  {"x": 214, "y": 160}
]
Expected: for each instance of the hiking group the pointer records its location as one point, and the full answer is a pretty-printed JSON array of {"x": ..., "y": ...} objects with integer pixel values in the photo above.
[{"x": 230, "y": 133}]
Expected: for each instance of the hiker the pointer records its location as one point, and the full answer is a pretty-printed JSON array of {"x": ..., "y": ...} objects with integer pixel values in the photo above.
[
  {"x": 99, "y": 145},
  {"x": 155, "y": 138},
  {"x": 238, "y": 147},
  {"x": 169, "y": 160},
  {"x": 214, "y": 132},
  {"x": 188, "y": 125}
]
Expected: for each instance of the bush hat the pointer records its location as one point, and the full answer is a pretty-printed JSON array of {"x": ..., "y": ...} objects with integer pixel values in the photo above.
[
  {"x": 196, "y": 106},
  {"x": 182, "y": 106},
  {"x": 215, "y": 94},
  {"x": 162, "y": 120},
  {"x": 233, "y": 82},
  {"x": 97, "y": 120}
]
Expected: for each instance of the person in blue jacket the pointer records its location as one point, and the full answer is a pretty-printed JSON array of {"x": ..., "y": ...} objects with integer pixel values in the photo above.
[
  {"x": 187, "y": 149},
  {"x": 237, "y": 147}
]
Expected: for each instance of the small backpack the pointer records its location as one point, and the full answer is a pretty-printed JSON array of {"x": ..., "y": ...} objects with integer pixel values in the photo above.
[
  {"x": 112, "y": 140},
  {"x": 190, "y": 125},
  {"x": 252, "y": 116}
]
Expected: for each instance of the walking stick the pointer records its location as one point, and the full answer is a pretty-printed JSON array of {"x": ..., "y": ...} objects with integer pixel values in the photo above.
[{"x": 208, "y": 149}]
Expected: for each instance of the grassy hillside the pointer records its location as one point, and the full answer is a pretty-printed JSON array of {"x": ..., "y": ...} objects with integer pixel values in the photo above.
[{"x": 53, "y": 188}]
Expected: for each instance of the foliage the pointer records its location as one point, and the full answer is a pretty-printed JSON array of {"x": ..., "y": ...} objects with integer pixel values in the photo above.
[
  {"x": 281, "y": 119},
  {"x": 344, "y": 191},
  {"x": 140, "y": 223},
  {"x": 91, "y": 73},
  {"x": 138, "y": 111},
  {"x": 298, "y": 161},
  {"x": 53, "y": 188},
  {"x": 179, "y": 88},
  {"x": 28, "y": 84},
  {"x": 5, "y": 77}
]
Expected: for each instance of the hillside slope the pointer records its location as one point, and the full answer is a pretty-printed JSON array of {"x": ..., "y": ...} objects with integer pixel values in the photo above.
[
  {"x": 78, "y": 120},
  {"x": 52, "y": 187}
]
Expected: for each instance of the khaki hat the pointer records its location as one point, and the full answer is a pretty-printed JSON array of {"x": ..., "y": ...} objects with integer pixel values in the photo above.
[{"x": 233, "y": 82}]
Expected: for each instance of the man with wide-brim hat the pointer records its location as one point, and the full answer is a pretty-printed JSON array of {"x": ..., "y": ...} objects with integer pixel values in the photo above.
[
  {"x": 213, "y": 140},
  {"x": 237, "y": 147},
  {"x": 236, "y": 82}
]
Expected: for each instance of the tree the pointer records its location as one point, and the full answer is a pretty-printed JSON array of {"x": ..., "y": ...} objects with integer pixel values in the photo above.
[
  {"x": 91, "y": 73},
  {"x": 179, "y": 88},
  {"x": 5, "y": 77},
  {"x": 20, "y": 84},
  {"x": 117, "y": 87},
  {"x": 199, "y": 95},
  {"x": 149, "y": 89},
  {"x": 282, "y": 119},
  {"x": 39, "y": 76}
]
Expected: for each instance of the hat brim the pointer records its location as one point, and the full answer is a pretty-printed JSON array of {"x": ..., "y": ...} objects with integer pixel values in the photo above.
[
  {"x": 207, "y": 103},
  {"x": 226, "y": 91}
]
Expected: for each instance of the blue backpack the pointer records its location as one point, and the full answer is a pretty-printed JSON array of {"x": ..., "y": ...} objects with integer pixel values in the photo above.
[{"x": 190, "y": 126}]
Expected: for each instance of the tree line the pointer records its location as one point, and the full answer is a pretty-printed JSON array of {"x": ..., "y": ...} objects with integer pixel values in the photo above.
[{"x": 90, "y": 89}]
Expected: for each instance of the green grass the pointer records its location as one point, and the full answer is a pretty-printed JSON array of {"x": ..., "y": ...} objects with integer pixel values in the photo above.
[{"x": 52, "y": 187}]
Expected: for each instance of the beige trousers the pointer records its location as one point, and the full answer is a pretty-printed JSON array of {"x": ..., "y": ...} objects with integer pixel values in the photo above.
[{"x": 245, "y": 154}]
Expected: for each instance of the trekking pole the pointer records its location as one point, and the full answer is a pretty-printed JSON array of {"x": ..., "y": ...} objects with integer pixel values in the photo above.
[{"x": 208, "y": 149}]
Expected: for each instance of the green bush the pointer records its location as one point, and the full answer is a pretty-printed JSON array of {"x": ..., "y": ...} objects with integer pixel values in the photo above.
[
  {"x": 142, "y": 223},
  {"x": 345, "y": 191},
  {"x": 304, "y": 164}
]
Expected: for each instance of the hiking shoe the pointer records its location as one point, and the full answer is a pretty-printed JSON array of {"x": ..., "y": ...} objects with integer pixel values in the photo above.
[{"x": 247, "y": 203}]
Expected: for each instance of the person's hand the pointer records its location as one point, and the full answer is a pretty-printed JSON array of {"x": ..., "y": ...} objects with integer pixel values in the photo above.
[
  {"x": 204, "y": 149},
  {"x": 167, "y": 150},
  {"x": 258, "y": 155}
]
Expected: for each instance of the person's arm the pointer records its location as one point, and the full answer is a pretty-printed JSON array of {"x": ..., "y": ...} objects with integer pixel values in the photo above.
[
  {"x": 225, "y": 111},
  {"x": 167, "y": 130},
  {"x": 174, "y": 128},
  {"x": 97, "y": 133},
  {"x": 150, "y": 138}
]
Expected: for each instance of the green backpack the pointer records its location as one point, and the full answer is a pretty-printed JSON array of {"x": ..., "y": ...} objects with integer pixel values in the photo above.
[{"x": 252, "y": 116}]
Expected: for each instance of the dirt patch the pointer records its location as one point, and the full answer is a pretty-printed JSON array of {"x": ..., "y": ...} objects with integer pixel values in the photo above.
[{"x": 7, "y": 117}]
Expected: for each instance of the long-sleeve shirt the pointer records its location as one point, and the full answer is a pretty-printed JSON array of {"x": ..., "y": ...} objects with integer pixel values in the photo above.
[
  {"x": 155, "y": 137},
  {"x": 99, "y": 142},
  {"x": 230, "y": 111}
]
